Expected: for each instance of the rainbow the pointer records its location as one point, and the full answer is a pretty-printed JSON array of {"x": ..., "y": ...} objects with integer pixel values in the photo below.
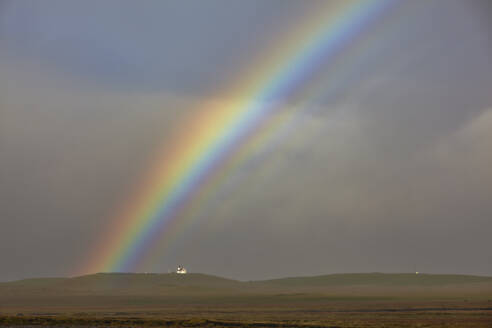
[{"x": 212, "y": 143}]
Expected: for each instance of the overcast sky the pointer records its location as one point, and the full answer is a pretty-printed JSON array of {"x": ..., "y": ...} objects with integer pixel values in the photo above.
[{"x": 388, "y": 166}]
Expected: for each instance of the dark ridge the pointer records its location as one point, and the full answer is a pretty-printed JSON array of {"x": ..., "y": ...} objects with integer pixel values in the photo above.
[
  {"x": 197, "y": 283},
  {"x": 401, "y": 279}
]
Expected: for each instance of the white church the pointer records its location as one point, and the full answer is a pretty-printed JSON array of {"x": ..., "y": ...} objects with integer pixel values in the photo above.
[{"x": 181, "y": 270}]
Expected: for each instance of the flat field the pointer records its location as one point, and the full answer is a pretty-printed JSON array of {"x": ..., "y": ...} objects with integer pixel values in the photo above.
[{"x": 195, "y": 300}]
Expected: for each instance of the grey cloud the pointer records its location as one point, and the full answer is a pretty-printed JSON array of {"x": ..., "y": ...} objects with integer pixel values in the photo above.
[{"x": 388, "y": 171}]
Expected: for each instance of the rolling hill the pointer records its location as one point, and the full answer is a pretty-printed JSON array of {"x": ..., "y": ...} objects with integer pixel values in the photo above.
[
  {"x": 380, "y": 279},
  {"x": 119, "y": 283},
  {"x": 197, "y": 295},
  {"x": 202, "y": 284}
]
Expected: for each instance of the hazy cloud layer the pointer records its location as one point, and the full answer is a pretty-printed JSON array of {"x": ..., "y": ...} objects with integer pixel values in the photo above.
[{"x": 391, "y": 171}]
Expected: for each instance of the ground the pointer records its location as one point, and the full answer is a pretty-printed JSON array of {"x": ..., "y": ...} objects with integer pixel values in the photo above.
[{"x": 206, "y": 301}]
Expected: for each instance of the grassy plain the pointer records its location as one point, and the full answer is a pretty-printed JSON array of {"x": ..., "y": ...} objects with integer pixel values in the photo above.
[{"x": 193, "y": 300}]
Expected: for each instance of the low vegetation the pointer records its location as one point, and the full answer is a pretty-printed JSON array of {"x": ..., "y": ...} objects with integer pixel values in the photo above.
[{"x": 197, "y": 300}]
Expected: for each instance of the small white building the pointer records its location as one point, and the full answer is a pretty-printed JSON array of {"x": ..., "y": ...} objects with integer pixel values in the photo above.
[{"x": 181, "y": 270}]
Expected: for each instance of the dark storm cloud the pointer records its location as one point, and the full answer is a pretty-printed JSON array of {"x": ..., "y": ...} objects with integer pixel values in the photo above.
[{"x": 390, "y": 171}]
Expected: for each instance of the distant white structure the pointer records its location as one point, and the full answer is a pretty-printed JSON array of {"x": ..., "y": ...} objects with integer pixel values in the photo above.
[{"x": 181, "y": 270}]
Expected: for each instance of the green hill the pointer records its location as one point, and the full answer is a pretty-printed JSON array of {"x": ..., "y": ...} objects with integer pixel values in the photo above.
[
  {"x": 379, "y": 279},
  {"x": 119, "y": 283},
  {"x": 196, "y": 284},
  {"x": 154, "y": 292}
]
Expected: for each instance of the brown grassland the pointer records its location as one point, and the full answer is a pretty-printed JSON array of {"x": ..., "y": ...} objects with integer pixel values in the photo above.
[{"x": 195, "y": 300}]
